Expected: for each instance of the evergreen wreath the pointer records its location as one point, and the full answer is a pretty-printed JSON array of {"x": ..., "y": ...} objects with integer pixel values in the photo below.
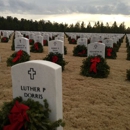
[
  {"x": 80, "y": 50},
  {"x": 13, "y": 46},
  {"x": 31, "y": 41},
  {"x": 116, "y": 47},
  {"x": 110, "y": 53},
  {"x": 128, "y": 49},
  {"x": 72, "y": 41},
  {"x": 18, "y": 57},
  {"x": 65, "y": 50},
  {"x": 45, "y": 42},
  {"x": 127, "y": 42},
  {"x": 56, "y": 58},
  {"x": 95, "y": 66},
  {"x": 128, "y": 55},
  {"x": 128, "y": 74},
  {"x": 37, "y": 48},
  {"x": 4, "y": 39},
  {"x": 31, "y": 115},
  {"x": 119, "y": 43}
]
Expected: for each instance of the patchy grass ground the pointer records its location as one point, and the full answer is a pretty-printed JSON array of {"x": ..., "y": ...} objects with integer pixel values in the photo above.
[{"x": 88, "y": 103}]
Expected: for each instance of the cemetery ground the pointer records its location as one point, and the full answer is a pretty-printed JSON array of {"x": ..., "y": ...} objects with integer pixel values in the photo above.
[{"x": 88, "y": 103}]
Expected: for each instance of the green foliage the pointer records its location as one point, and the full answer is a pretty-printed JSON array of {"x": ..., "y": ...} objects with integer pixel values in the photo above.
[
  {"x": 31, "y": 41},
  {"x": 128, "y": 55},
  {"x": 119, "y": 43},
  {"x": 37, "y": 50},
  {"x": 80, "y": 50},
  {"x": 13, "y": 46},
  {"x": 127, "y": 42},
  {"x": 45, "y": 42},
  {"x": 65, "y": 50},
  {"x": 38, "y": 115},
  {"x": 103, "y": 69},
  {"x": 128, "y": 74},
  {"x": 113, "y": 53},
  {"x": 116, "y": 47},
  {"x": 25, "y": 57},
  {"x": 59, "y": 59},
  {"x": 72, "y": 41},
  {"x": 4, "y": 39},
  {"x": 128, "y": 48}
]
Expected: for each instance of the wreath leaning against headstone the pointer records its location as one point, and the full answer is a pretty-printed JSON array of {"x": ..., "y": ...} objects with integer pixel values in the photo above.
[
  {"x": 128, "y": 74},
  {"x": 110, "y": 53},
  {"x": 37, "y": 48},
  {"x": 4, "y": 39},
  {"x": 56, "y": 58},
  {"x": 18, "y": 57},
  {"x": 80, "y": 50},
  {"x": 95, "y": 66},
  {"x": 27, "y": 115}
]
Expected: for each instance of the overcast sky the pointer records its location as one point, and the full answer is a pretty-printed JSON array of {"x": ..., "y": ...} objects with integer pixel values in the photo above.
[{"x": 68, "y": 11}]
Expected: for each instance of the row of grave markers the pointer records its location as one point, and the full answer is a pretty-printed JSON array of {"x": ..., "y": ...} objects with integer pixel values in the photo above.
[
  {"x": 6, "y": 33},
  {"x": 57, "y": 45},
  {"x": 32, "y": 79},
  {"x": 54, "y": 46},
  {"x": 94, "y": 48}
]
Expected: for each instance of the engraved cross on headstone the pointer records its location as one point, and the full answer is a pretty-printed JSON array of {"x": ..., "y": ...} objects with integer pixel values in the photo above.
[
  {"x": 32, "y": 72},
  {"x": 55, "y": 43}
]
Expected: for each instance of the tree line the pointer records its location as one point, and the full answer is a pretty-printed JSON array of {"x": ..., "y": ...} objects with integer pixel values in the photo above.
[{"x": 10, "y": 23}]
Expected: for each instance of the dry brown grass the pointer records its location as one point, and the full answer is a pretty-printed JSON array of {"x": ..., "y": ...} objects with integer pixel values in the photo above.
[{"x": 88, "y": 103}]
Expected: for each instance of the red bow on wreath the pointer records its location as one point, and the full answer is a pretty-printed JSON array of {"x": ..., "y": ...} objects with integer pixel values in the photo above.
[
  {"x": 36, "y": 46},
  {"x": 73, "y": 40},
  {"x": 18, "y": 56},
  {"x": 30, "y": 40},
  {"x": 17, "y": 117},
  {"x": 44, "y": 42},
  {"x": 81, "y": 53},
  {"x": 93, "y": 66},
  {"x": 4, "y": 39},
  {"x": 109, "y": 51},
  {"x": 54, "y": 59}
]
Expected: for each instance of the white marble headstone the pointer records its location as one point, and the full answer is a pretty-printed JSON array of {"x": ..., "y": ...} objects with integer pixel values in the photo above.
[
  {"x": 6, "y": 34},
  {"x": 95, "y": 49},
  {"x": 22, "y": 43},
  {"x": 46, "y": 37},
  {"x": 39, "y": 80},
  {"x": 73, "y": 36},
  {"x": 59, "y": 38},
  {"x": 108, "y": 42},
  {"x": 38, "y": 38},
  {"x": 82, "y": 41},
  {"x": 81, "y": 36},
  {"x": 18, "y": 35},
  {"x": 100, "y": 38},
  {"x": 56, "y": 46},
  {"x": 94, "y": 39},
  {"x": 31, "y": 36}
]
